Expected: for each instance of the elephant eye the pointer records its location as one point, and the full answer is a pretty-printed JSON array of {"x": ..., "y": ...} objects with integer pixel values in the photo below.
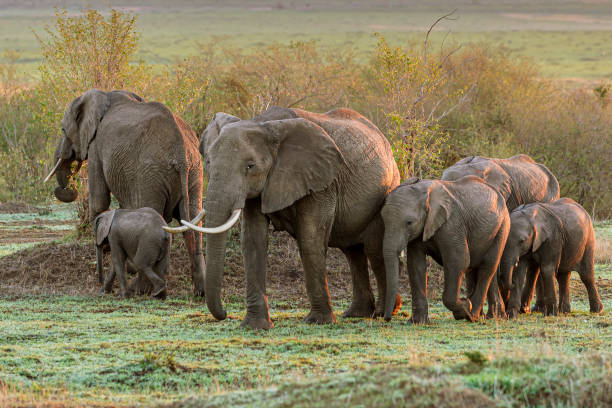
[
  {"x": 408, "y": 222},
  {"x": 250, "y": 166}
]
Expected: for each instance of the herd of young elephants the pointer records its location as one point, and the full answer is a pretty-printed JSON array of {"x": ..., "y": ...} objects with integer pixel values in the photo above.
[{"x": 329, "y": 180}]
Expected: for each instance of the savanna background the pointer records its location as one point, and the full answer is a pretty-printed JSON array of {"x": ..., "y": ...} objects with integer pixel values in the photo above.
[{"x": 494, "y": 78}]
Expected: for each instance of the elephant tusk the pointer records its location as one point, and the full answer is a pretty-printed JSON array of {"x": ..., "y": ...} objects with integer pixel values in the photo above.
[
  {"x": 196, "y": 220},
  {"x": 216, "y": 230},
  {"x": 53, "y": 170}
]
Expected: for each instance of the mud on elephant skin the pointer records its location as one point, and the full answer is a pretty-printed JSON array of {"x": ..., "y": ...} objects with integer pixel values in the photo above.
[
  {"x": 463, "y": 225},
  {"x": 321, "y": 177},
  {"x": 549, "y": 240},
  {"x": 135, "y": 237},
  {"x": 142, "y": 153}
]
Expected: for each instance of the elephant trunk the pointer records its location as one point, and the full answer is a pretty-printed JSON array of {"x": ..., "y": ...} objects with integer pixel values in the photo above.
[
  {"x": 506, "y": 268},
  {"x": 216, "y": 214},
  {"x": 65, "y": 191},
  {"x": 391, "y": 251}
]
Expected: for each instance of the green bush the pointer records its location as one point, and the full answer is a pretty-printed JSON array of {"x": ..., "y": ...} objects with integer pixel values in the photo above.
[{"x": 435, "y": 107}]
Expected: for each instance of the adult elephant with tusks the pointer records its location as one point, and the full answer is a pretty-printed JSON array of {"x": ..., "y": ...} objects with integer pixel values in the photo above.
[
  {"x": 520, "y": 180},
  {"x": 142, "y": 153},
  {"x": 321, "y": 177}
]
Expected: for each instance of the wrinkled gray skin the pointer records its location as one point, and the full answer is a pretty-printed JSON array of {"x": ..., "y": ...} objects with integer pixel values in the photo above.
[
  {"x": 321, "y": 177},
  {"x": 520, "y": 180},
  {"x": 141, "y": 153},
  {"x": 463, "y": 225},
  {"x": 135, "y": 237},
  {"x": 549, "y": 239}
]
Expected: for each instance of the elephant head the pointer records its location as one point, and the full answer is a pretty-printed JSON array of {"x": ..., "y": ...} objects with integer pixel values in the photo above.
[
  {"x": 415, "y": 209},
  {"x": 527, "y": 233},
  {"x": 79, "y": 126},
  {"x": 277, "y": 161}
]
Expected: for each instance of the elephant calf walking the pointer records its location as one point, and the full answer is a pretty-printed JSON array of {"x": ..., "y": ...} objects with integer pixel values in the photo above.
[
  {"x": 549, "y": 239},
  {"x": 135, "y": 237},
  {"x": 463, "y": 225}
]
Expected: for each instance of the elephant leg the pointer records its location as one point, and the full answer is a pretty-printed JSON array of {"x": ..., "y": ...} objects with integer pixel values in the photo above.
[
  {"x": 416, "y": 262},
  {"x": 119, "y": 259},
  {"x": 254, "y": 239},
  {"x": 140, "y": 285},
  {"x": 563, "y": 278},
  {"x": 549, "y": 301},
  {"x": 518, "y": 282},
  {"x": 314, "y": 223},
  {"x": 161, "y": 269},
  {"x": 494, "y": 299},
  {"x": 539, "y": 296},
  {"x": 142, "y": 263},
  {"x": 362, "y": 304},
  {"x": 533, "y": 272},
  {"x": 587, "y": 276},
  {"x": 107, "y": 287}
]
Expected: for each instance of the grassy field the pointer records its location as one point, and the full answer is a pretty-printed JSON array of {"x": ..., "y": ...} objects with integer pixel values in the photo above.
[
  {"x": 567, "y": 39},
  {"x": 81, "y": 350}
]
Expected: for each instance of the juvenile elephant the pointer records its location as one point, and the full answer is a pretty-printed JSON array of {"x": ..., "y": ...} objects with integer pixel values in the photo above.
[
  {"x": 135, "y": 237},
  {"x": 321, "y": 177},
  {"x": 463, "y": 225},
  {"x": 141, "y": 153},
  {"x": 552, "y": 239},
  {"x": 520, "y": 180}
]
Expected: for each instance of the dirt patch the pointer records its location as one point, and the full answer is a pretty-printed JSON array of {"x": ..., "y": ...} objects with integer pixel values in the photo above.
[
  {"x": 53, "y": 268},
  {"x": 12, "y": 207}
]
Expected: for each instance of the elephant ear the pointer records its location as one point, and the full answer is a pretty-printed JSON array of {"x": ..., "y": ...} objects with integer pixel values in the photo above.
[
  {"x": 213, "y": 129},
  {"x": 438, "y": 208},
  {"x": 103, "y": 224},
  {"x": 307, "y": 160},
  {"x": 86, "y": 112},
  {"x": 539, "y": 231}
]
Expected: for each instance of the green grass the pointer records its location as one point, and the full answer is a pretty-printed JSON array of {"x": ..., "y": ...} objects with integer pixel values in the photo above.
[
  {"x": 565, "y": 40},
  {"x": 123, "y": 352}
]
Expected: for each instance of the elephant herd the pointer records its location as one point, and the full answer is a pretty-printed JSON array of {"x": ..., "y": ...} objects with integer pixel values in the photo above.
[{"x": 329, "y": 180}]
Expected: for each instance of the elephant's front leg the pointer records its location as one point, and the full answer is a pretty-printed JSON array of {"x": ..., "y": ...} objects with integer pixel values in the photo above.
[
  {"x": 254, "y": 238},
  {"x": 362, "y": 304},
  {"x": 99, "y": 193},
  {"x": 417, "y": 273},
  {"x": 313, "y": 228},
  {"x": 549, "y": 301}
]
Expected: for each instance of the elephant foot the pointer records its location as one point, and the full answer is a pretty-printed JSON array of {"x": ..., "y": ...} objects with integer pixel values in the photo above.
[
  {"x": 257, "y": 323},
  {"x": 160, "y": 294},
  {"x": 320, "y": 318},
  {"x": 596, "y": 306},
  {"x": 513, "y": 313},
  {"x": 360, "y": 309},
  {"x": 464, "y": 311},
  {"x": 551, "y": 310},
  {"x": 419, "y": 318},
  {"x": 564, "y": 307},
  {"x": 198, "y": 291},
  {"x": 538, "y": 307},
  {"x": 496, "y": 312},
  {"x": 380, "y": 306}
]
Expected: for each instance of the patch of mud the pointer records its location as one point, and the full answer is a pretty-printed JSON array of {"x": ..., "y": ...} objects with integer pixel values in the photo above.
[
  {"x": 52, "y": 268},
  {"x": 12, "y": 207}
]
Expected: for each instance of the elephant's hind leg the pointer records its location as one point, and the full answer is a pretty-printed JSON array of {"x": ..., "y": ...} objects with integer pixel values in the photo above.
[
  {"x": 563, "y": 278},
  {"x": 587, "y": 276},
  {"x": 362, "y": 304}
]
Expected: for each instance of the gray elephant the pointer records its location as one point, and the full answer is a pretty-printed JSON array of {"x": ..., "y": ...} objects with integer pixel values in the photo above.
[
  {"x": 136, "y": 238},
  {"x": 463, "y": 225},
  {"x": 549, "y": 239},
  {"x": 142, "y": 153},
  {"x": 321, "y": 177},
  {"x": 520, "y": 180}
]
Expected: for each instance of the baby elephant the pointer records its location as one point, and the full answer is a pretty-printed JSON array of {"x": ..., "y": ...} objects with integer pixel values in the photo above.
[
  {"x": 136, "y": 238},
  {"x": 549, "y": 239},
  {"x": 463, "y": 225}
]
